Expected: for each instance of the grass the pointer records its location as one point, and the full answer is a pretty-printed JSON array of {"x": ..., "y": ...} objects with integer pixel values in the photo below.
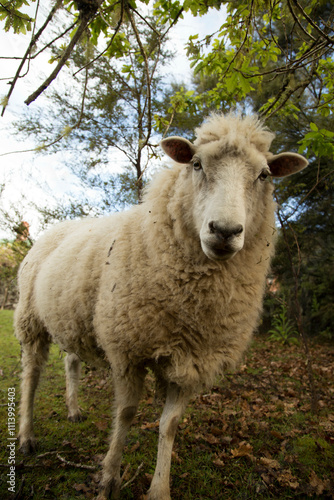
[{"x": 252, "y": 437}]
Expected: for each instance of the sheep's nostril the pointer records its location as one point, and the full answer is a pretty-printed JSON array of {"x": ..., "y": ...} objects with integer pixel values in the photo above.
[
  {"x": 238, "y": 229},
  {"x": 224, "y": 231}
]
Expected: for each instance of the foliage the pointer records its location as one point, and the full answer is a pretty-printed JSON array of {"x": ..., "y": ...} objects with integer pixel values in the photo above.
[
  {"x": 283, "y": 330},
  {"x": 15, "y": 19},
  {"x": 252, "y": 436},
  {"x": 288, "y": 42},
  {"x": 113, "y": 119},
  {"x": 11, "y": 255}
]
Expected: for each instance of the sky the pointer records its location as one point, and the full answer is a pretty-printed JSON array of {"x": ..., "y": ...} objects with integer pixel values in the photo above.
[{"x": 20, "y": 171}]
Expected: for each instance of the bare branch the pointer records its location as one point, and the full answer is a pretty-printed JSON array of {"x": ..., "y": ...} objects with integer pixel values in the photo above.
[
  {"x": 109, "y": 44},
  {"x": 147, "y": 70},
  {"x": 85, "y": 20},
  {"x": 31, "y": 45},
  {"x": 104, "y": 19},
  {"x": 312, "y": 23},
  {"x": 54, "y": 40},
  {"x": 172, "y": 24},
  {"x": 298, "y": 22},
  {"x": 125, "y": 485},
  {"x": 73, "y": 464},
  {"x": 67, "y": 131}
]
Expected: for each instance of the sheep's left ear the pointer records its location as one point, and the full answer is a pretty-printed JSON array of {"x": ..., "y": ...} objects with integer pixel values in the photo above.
[
  {"x": 285, "y": 164},
  {"x": 179, "y": 149}
]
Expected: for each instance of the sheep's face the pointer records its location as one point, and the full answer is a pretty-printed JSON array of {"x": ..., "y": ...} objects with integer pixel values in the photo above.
[{"x": 229, "y": 187}]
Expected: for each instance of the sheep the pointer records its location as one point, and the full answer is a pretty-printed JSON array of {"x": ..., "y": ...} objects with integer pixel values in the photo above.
[{"x": 174, "y": 284}]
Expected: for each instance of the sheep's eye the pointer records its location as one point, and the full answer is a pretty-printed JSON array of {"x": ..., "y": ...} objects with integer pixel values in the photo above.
[
  {"x": 197, "y": 165},
  {"x": 264, "y": 174}
]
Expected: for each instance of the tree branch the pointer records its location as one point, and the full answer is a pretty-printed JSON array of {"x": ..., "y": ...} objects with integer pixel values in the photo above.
[
  {"x": 73, "y": 464},
  {"x": 299, "y": 23},
  {"x": 312, "y": 23},
  {"x": 85, "y": 20},
  {"x": 148, "y": 82},
  {"x": 111, "y": 40},
  {"x": 26, "y": 55},
  {"x": 11, "y": 13},
  {"x": 67, "y": 131}
]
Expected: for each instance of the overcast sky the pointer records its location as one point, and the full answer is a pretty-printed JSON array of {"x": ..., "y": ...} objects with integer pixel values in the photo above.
[{"x": 17, "y": 170}]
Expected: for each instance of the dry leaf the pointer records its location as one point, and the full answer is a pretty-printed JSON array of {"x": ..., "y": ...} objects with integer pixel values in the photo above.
[
  {"x": 244, "y": 450},
  {"x": 285, "y": 478},
  {"x": 270, "y": 462},
  {"x": 81, "y": 487},
  {"x": 135, "y": 447},
  {"x": 176, "y": 457},
  {"x": 318, "y": 484},
  {"x": 218, "y": 463},
  {"x": 150, "y": 425},
  {"x": 277, "y": 435},
  {"x": 102, "y": 425}
]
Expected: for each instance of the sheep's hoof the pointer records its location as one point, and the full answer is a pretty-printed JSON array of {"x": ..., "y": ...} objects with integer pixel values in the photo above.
[
  {"x": 76, "y": 417},
  {"x": 28, "y": 447},
  {"x": 155, "y": 495},
  {"x": 111, "y": 490}
]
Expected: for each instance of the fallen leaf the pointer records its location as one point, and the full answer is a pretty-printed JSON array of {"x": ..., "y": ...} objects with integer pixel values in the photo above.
[
  {"x": 269, "y": 462},
  {"x": 176, "y": 457},
  {"x": 81, "y": 487},
  {"x": 150, "y": 425},
  {"x": 244, "y": 450},
  {"x": 102, "y": 425},
  {"x": 266, "y": 478},
  {"x": 218, "y": 463},
  {"x": 211, "y": 439},
  {"x": 277, "y": 435},
  {"x": 135, "y": 447},
  {"x": 285, "y": 478},
  {"x": 52, "y": 414},
  {"x": 318, "y": 484}
]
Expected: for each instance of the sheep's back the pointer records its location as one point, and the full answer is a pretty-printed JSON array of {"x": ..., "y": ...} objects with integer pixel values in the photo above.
[{"x": 59, "y": 280}]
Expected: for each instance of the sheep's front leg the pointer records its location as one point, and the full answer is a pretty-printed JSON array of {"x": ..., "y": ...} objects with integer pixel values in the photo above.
[
  {"x": 128, "y": 391},
  {"x": 72, "y": 369},
  {"x": 176, "y": 402}
]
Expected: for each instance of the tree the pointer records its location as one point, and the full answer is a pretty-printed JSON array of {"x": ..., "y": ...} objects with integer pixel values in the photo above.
[
  {"x": 263, "y": 41},
  {"x": 93, "y": 19},
  {"x": 11, "y": 255},
  {"x": 116, "y": 111}
]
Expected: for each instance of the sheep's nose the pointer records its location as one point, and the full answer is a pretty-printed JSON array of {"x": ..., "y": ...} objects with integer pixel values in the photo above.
[{"x": 223, "y": 231}]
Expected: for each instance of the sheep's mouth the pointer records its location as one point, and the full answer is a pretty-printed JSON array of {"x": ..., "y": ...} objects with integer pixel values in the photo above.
[{"x": 218, "y": 252}]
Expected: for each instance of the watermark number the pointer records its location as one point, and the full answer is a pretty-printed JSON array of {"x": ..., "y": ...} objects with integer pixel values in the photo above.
[{"x": 11, "y": 446}]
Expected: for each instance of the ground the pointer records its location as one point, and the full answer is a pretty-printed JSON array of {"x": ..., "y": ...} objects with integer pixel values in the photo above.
[{"x": 253, "y": 436}]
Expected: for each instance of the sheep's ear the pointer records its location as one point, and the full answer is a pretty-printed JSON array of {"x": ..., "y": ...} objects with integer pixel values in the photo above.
[
  {"x": 178, "y": 149},
  {"x": 285, "y": 164}
]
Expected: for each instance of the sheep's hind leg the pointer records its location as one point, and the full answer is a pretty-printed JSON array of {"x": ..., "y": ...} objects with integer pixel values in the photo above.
[
  {"x": 34, "y": 357},
  {"x": 73, "y": 368},
  {"x": 128, "y": 391},
  {"x": 175, "y": 405}
]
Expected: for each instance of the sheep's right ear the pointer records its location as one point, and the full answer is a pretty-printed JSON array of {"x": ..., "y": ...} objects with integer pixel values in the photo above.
[{"x": 178, "y": 149}]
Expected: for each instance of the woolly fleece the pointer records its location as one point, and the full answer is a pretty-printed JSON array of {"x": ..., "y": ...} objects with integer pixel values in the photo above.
[{"x": 135, "y": 288}]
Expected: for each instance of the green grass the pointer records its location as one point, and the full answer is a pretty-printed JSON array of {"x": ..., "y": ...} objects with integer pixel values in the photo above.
[{"x": 252, "y": 437}]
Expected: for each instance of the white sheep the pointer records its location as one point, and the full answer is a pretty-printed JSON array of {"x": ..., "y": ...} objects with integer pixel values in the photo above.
[{"x": 174, "y": 284}]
